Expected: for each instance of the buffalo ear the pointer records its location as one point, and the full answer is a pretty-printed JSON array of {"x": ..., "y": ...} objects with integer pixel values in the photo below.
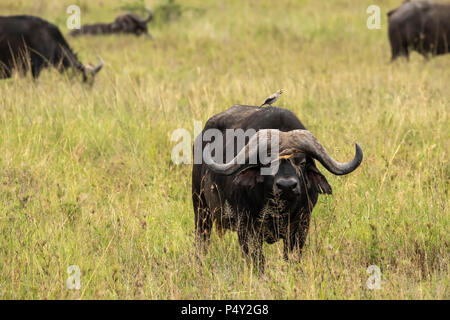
[
  {"x": 317, "y": 180},
  {"x": 247, "y": 178}
]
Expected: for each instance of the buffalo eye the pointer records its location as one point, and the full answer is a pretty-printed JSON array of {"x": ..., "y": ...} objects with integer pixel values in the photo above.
[
  {"x": 298, "y": 161},
  {"x": 259, "y": 179}
]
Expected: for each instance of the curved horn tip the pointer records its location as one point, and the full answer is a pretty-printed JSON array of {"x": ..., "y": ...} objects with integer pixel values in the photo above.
[
  {"x": 150, "y": 16},
  {"x": 351, "y": 166},
  {"x": 99, "y": 66},
  {"x": 358, "y": 152}
]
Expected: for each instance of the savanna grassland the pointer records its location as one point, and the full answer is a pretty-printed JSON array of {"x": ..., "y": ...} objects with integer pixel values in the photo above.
[{"x": 86, "y": 176}]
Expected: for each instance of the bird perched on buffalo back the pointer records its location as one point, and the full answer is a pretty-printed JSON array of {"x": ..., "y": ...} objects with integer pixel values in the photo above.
[{"x": 274, "y": 97}]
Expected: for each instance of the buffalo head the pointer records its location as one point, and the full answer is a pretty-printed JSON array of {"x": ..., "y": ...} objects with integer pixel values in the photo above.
[
  {"x": 89, "y": 71},
  {"x": 131, "y": 23},
  {"x": 292, "y": 166}
]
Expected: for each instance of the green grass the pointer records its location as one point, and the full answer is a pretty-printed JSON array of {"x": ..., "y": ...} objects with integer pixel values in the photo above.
[{"x": 86, "y": 176}]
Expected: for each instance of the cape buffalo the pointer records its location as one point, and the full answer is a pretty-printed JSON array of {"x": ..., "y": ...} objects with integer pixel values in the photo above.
[
  {"x": 237, "y": 195},
  {"x": 126, "y": 23},
  {"x": 422, "y": 26},
  {"x": 28, "y": 42}
]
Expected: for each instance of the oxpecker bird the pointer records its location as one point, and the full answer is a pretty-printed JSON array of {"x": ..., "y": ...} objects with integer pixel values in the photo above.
[{"x": 274, "y": 97}]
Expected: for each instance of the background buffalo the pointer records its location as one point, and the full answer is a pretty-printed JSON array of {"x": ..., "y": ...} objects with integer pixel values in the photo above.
[
  {"x": 28, "y": 42},
  {"x": 422, "y": 26},
  {"x": 126, "y": 23}
]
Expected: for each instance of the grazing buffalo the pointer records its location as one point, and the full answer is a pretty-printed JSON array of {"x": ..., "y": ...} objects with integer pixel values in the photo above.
[
  {"x": 262, "y": 207},
  {"x": 422, "y": 26},
  {"x": 28, "y": 42},
  {"x": 126, "y": 23}
]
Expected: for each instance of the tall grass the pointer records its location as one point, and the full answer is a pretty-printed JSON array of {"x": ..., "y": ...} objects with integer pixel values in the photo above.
[{"x": 86, "y": 176}]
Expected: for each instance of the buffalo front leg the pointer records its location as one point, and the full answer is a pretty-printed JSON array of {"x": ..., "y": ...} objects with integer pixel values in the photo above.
[
  {"x": 203, "y": 223},
  {"x": 296, "y": 240},
  {"x": 37, "y": 64},
  {"x": 294, "y": 246},
  {"x": 251, "y": 245}
]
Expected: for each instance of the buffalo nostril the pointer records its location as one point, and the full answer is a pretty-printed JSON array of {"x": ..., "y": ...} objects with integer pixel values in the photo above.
[{"x": 286, "y": 184}]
